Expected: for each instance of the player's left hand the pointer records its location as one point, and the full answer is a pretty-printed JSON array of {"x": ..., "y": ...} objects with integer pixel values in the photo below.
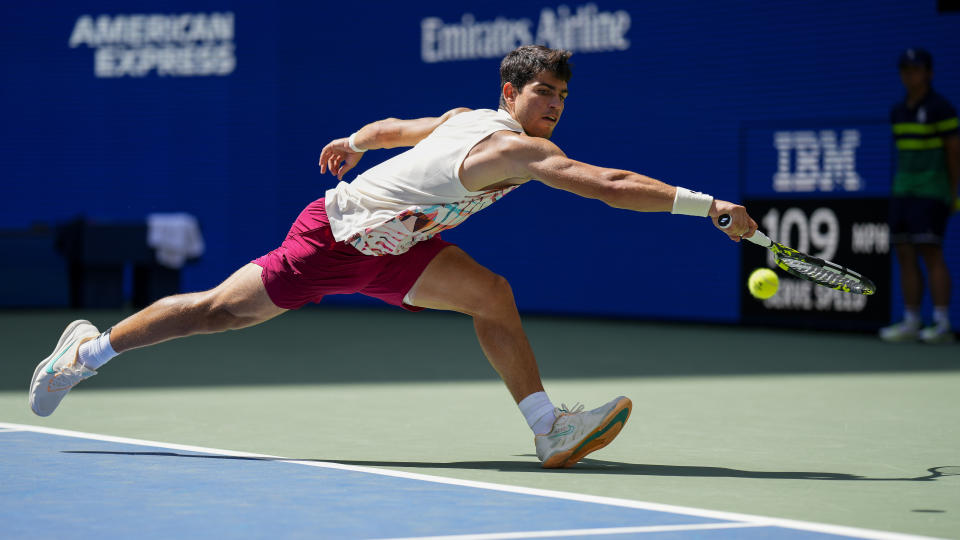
[
  {"x": 741, "y": 226},
  {"x": 338, "y": 158}
]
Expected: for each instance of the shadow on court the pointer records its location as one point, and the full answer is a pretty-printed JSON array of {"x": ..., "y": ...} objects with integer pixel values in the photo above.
[
  {"x": 587, "y": 466},
  {"x": 352, "y": 345}
]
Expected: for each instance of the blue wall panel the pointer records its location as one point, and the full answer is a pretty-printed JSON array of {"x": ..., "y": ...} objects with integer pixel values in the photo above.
[{"x": 239, "y": 149}]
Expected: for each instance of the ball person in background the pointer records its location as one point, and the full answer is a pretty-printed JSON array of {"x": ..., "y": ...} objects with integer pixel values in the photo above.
[
  {"x": 378, "y": 235},
  {"x": 924, "y": 193}
]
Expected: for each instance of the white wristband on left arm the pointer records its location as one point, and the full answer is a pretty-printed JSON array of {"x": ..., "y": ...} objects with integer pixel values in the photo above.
[
  {"x": 352, "y": 142},
  {"x": 691, "y": 203}
]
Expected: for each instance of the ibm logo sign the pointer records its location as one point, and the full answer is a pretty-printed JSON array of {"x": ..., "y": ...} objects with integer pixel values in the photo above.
[{"x": 816, "y": 161}]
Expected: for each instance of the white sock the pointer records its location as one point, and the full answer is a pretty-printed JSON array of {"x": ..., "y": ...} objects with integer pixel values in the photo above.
[
  {"x": 911, "y": 316},
  {"x": 538, "y": 410},
  {"x": 97, "y": 351},
  {"x": 941, "y": 316}
]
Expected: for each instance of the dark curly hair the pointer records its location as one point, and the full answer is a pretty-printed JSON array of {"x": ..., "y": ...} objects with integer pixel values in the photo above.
[{"x": 522, "y": 64}]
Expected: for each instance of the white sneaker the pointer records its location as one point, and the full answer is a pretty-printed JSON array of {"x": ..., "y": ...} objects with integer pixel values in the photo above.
[
  {"x": 60, "y": 371},
  {"x": 937, "y": 334},
  {"x": 576, "y": 433},
  {"x": 901, "y": 331}
]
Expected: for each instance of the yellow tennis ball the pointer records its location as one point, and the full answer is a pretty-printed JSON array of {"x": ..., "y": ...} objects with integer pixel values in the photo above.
[{"x": 763, "y": 283}]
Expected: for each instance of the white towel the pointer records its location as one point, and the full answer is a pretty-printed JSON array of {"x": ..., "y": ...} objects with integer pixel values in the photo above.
[{"x": 175, "y": 237}]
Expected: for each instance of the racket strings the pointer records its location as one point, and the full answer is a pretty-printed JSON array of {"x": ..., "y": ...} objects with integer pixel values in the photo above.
[{"x": 821, "y": 274}]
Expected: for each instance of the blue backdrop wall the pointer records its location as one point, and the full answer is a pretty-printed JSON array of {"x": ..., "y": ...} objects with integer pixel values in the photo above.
[{"x": 220, "y": 109}]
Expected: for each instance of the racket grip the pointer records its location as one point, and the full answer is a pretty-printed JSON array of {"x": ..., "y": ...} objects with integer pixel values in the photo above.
[{"x": 758, "y": 237}]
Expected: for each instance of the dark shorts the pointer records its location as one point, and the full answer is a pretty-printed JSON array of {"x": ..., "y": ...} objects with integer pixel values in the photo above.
[
  {"x": 310, "y": 264},
  {"x": 918, "y": 220}
]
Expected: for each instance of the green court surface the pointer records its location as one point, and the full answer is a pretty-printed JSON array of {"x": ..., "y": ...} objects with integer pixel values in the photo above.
[{"x": 824, "y": 427}]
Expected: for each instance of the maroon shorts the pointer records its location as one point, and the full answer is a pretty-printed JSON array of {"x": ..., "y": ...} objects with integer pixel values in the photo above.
[{"x": 310, "y": 264}]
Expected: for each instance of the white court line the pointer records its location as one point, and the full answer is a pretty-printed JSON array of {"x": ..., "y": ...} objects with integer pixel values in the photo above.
[
  {"x": 584, "y": 532},
  {"x": 610, "y": 501}
]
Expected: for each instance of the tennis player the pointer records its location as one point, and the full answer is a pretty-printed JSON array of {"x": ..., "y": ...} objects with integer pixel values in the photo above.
[{"x": 378, "y": 236}]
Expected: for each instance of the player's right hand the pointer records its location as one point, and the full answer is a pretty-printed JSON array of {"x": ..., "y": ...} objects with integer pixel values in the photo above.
[
  {"x": 338, "y": 158},
  {"x": 741, "y": 226}
]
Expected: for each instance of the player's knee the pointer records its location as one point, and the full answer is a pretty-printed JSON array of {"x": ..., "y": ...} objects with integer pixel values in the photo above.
[
  {"x": 496, "y": 296},
  {"x": 216, "y": 315}
]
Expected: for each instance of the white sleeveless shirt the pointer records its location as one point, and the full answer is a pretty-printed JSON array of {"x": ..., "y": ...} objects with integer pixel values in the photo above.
[{"x": 415, "y": 195}]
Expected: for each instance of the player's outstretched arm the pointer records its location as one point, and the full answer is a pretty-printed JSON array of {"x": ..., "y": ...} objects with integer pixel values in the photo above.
[
  {"x": 544, "y": 161},
  {"x": 339, "y": 156},
  {"x": 393, "y": 132}
]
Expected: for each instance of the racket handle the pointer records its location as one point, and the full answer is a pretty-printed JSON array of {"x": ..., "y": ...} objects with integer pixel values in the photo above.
[{"x": 758, "y": 237}]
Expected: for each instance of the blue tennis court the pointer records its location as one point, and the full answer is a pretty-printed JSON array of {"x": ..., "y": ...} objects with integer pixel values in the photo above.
[{"x": 94, "y": 486}]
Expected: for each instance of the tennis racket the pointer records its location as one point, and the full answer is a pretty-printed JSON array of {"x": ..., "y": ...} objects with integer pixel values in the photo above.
[{"x": 808, "y": 267}]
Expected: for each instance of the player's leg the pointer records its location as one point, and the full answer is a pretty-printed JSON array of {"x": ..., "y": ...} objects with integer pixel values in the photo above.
[
  {"x": 454, "y": 281},
  {"x": 240, "y": 301}
]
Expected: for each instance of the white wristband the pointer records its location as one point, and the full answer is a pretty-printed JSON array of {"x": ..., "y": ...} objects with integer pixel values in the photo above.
[
  {"x": 691, "y": 203},
  {"x": 352, "y": 142}
]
